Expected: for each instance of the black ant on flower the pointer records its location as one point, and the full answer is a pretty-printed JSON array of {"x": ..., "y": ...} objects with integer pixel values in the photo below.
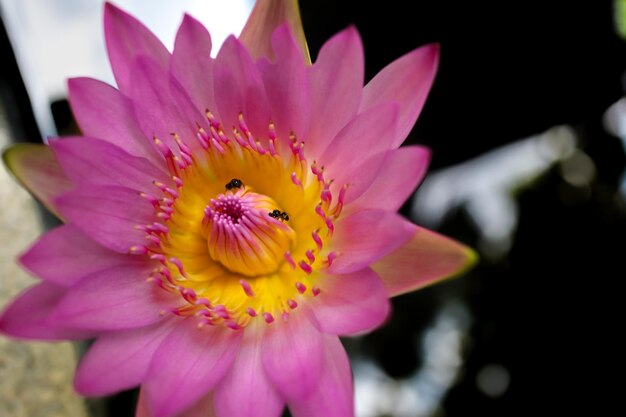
[
  {"x": 279, "y": 215},
  {"x": 234, "y": 184}
]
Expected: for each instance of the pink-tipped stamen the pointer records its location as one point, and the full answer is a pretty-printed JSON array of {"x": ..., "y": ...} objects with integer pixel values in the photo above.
[
  {"x": 179, "y": 266},
  {"x": 260, "y": 149},
  {"x": 326, "y": 196},
  {"x": 272, "y": 146},
  {"x": 158, "y": 257},
  {"x": 246, "y": 287},
  {"x": 310, "y": 256},
  {"x": 138, "y": 250},
  {"x": 182, "y": 161},
  {"x": 163, "y": 148},
  {"x": 203, "y": 138},
  {"x": 188, "y": 294},
  {"x": 177, "y": 181},
  {"x": 331, "y": 257},
  {"x": 268, "y": 318},
  {"x": 240, "y": 140},
  {"x": 271, "y": 131},
  {"x": 153, "y": 239},
  {"x": 317, "y": 239},
  {"x": 330, "y": 226},
  {"x": 211, "y": 118},
  {"x": 292, "y": 304},
  {"x": 316, "y": 291},
  {"x": 203, "y": 323},
  {"x": 172, "y": 192},
  {"x": 166, "y": 274},
  {"x": 188, "y": 160},
  {"x": 233, "y": 325},
  {"x": 221, "y": 312},
  {"x": 295, "y": 179},
  {"x": 242, "y": 124},
  {"x": 217, "y": 145},
  {"x": 158, "y": 228},
  {"x": 222, "y": 136},
  {"x": 305, "y": 267},
  {"x": 314, "y": 169},
  {"x": 152, "y": 199},
  {"x": 300, "y": 287},
  {"x": 320, "y": 211},
  {"x": 181, "y": 145},
  {"x": 340, "y": 200},
  {"x": 203, "y": 302},
  {"x": 301, "y": 151}
]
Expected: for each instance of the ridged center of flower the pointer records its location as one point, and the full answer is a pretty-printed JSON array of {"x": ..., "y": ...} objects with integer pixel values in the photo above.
[{"x": 243, "y": 236}]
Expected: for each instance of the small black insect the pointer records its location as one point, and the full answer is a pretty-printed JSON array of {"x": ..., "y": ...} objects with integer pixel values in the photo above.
[
  {"x": 234, "y": 184},
  {"x": 277, "y": 214}
]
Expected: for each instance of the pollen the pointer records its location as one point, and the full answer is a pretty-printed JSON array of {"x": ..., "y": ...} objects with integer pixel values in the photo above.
[{"x": 243, "y": 225}]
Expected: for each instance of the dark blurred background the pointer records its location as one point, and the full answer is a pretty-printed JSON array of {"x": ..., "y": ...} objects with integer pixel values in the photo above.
[
  {"x": 544, "y": 310},
  {"x": 537, "y": 316}
]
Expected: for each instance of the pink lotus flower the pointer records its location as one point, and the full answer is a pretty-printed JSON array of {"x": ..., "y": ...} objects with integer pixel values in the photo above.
[{"x": 227, "y": 219}]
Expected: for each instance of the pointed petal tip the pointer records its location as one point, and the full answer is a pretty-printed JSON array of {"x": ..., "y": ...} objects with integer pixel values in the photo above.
[
  {"x": 111, "y": 10},
  {"x": 426, "y": 259},
  {"x": 265, "y": 17},
  {"x": 466, "y": 259},
  {"x": 433, "y": 47},
  {"x": 126, "y": 37},
  {"x": 471, "y": 261},
  {"x": 189, "y": 19},
  {"x": 433, "y": 52},
  {"x": 35, "y": 168}
]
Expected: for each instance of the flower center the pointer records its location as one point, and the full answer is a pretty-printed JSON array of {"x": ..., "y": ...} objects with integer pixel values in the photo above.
[
  {"x": 243, "y": 236},
  {"x": 241, "y": 225}
]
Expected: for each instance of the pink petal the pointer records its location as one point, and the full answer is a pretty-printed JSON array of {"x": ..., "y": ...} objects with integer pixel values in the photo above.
[
  {"x": 188, "y": 364},
  {"x": 239, "y": 89},
  {"x": 403, "y": 169},
  {"x": 367, "y": 134},
  {"x": 255, "y": 395},
  {"x": 192, "y": 64},
  {"x": 367, "y": 236},
  {"x": 162, "y": 106},
  {"x": 114, "y": 299},
  {"x": 334, "y": 394},
  {"x": 93, "y": 161},
  {"x": 65, "y": 255},
  {"x": 120, "y": 360},
  {"x": 36, "y": 168},
  {"x": 357, "y": 176},
  {"x": 203, "y": 408},
  {"x": 266, "y": 16},
  {"x": 127, "y": 38},
  {"x": 424, "y": 260},
  {"x": 292, "y": 355},
  {"x": 109, "y": 215},
  {"x": 407, "y": 80},
  {"x": 103, "y": 112},
  {"x": 27, "y": 316},
  {"x": 351, "y": 303},
  {"x": 287, "y": 88},
  {"x": 336, "y": 82}
]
